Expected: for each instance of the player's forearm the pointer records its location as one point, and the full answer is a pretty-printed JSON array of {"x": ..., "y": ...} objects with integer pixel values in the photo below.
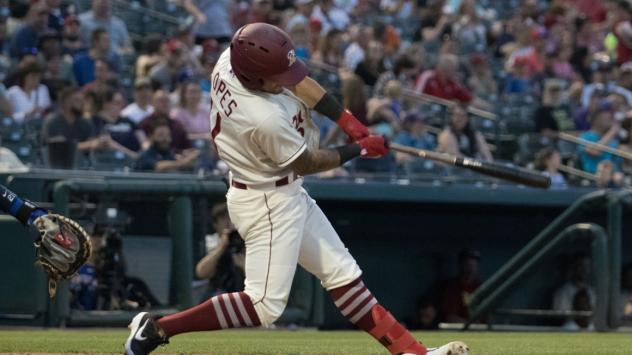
[
  {"x": 312, "y": 162},
  {"x": 24, "y": 210}
]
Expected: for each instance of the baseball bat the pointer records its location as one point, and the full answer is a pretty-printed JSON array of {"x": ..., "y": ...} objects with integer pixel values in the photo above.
[{"x": 518, "y": 175}]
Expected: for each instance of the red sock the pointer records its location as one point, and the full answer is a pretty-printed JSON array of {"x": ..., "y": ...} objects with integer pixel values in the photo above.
[
  {"x": 358, "y": 305},
  {"x": 230, "y": 310}
]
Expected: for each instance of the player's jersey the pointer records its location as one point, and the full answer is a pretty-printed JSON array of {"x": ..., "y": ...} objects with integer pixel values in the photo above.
[{"x": 257, "y": 134}]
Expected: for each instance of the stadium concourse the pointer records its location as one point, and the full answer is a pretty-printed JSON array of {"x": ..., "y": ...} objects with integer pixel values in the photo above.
[{"x": 104, "y": 117}]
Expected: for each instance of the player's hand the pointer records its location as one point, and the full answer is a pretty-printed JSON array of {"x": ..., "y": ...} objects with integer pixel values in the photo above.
[
  {"x": 373, "y": 146},
  {"x": 352, "y": 127}
]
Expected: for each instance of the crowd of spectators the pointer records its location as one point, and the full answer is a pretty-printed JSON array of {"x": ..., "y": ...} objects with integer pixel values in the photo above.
[{"x": 78, "y": 82}]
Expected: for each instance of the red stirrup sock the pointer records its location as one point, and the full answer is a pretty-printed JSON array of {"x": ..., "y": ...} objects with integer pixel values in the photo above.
[
  {"x": 358, "y": 305},
  {"x": 230, "y": 310}
]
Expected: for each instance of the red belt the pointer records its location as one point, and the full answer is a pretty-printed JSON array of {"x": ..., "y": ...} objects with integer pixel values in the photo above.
[{"x": 278, "y": 183}]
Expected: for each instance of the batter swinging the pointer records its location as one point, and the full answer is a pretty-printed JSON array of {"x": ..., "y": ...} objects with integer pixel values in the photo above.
[{"x": 264, "y": 133}]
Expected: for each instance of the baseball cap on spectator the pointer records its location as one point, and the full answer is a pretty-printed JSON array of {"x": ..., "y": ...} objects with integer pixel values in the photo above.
[
  {"x": 604, "y": 106},
  {"x": 26, "y": 51}
]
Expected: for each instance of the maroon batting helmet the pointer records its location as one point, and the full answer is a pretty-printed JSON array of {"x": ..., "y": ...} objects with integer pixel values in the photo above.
[{"x": 261, "y": 51}]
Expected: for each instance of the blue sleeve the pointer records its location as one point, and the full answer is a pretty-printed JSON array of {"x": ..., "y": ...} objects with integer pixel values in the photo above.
[{"x": 24, "y": 210}]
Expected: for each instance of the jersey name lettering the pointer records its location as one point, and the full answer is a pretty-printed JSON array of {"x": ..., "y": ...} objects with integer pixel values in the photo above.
[{"x": 220, "y": 88}]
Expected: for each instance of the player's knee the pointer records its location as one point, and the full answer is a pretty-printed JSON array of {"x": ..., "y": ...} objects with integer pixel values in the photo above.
[{"x": 269, "y": 311}]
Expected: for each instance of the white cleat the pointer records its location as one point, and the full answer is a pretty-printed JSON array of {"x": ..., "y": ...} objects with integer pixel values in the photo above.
[{"x": 452, "y": 348}]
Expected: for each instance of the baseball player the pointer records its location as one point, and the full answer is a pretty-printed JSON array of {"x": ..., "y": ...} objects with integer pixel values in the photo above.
[{"x": 261, "y": 126}]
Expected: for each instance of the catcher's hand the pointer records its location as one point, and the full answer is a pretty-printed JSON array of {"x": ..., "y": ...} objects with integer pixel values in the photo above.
[{"x": 61, "y": 248}]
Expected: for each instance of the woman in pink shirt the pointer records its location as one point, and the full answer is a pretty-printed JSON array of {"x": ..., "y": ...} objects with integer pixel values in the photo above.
[{"x": 193, "y": 116}]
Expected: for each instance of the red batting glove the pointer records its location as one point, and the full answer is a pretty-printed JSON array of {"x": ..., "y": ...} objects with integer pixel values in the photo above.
[
  {"x": 373, "y": 146},
  {"x": 352, "y": 127}
]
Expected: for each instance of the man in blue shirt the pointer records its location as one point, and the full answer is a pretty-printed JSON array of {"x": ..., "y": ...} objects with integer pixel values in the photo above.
[
  {"x": 83, "y": 66},
  {"x": 27, "y": 35},
  {"x": 604, "y": 130}
]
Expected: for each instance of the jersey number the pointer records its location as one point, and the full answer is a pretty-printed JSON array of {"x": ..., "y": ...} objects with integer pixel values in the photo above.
[{"x": 297, "y": 120}]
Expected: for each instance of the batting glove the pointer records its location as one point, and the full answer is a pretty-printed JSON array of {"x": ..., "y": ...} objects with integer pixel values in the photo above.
[
  {"x": 373, "y": 146},
  {"x": 351, "y": 126}
]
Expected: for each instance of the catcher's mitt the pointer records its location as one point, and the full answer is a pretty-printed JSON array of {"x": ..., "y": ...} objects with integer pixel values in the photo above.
[{"x": 61, "y": 248}]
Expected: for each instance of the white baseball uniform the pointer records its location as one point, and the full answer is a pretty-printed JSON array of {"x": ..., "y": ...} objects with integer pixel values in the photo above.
[{"x": 259, "y": 135}]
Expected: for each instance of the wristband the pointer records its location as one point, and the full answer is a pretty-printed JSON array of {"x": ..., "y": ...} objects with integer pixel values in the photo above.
[{"x": 348, "y": 152}]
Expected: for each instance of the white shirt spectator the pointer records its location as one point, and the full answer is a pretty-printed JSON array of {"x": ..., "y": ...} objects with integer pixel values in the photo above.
[
  {"x": 563, "y": 298},
  {"x": 354, "y": 55},
  {"x": 335, "y": 18},
  {"x": 24, "y": 103},
  {"x": 136, "y": 113}
]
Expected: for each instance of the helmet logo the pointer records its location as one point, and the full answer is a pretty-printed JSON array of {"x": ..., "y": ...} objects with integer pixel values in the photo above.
[{"x": 291, "y": 57}]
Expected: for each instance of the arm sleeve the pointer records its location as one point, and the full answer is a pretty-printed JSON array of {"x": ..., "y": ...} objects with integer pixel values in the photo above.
[{"x": 276, "y": 137}]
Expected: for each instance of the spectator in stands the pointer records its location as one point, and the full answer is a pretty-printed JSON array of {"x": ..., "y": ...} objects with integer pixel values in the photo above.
[
  {"x": 548, "y": 160},
  {"x": 605, "y": 177},
  {"x": 84, "y": 63},
  {"x": 9, "y": 161},
  {"x": 212, "y": 19},
  {"x": 301, "y": 38},
  {"x": 190, "y": 113},
  {"x": 601, "y": 78},
  {"x": 469, "y": 31},
  {"x": 553, "y": 116},
  {"x": 626, "y": 290},
  {"x": 27, "y": 36},
  {"x": 6, "y": 109},
  {"x": 57, "y": 74},
  {"x": 414, "y": 134},
  {"x": 160, "y": 156},
  {"x": 330, "y": 51},
  {"x": 518, "y": 82},
  {"x": 622, "y": 29},
  {"x": 425, "y": 317},
  {"x": 67, "y": 131},
  {"x": 26, "y": 58},
  {"x": 442, "y": 82},
  {"x": 403, "y": 70},
  {"x": 141, "y": 107},
  {"x": 452, "y": 292},
  {"x": 330, "y": 16},
  {"x": 162, "y": 109},
  {"x": 604, "y": 130},
  {"x": 372, "y": 65},
  {"x": 354, "y": 54},
  {"x": 165, "y": 73},
  {"x": 460, "y": 139},
  {"x": 71, "y": 36},
  {"x": 29, "y": 98},
  {"x": 57, "y": 12},
  {"x": 302, "y": 15},
  {"x": 100, "y": 17},
  {"x": 103, "y": 78},
  {"x": 224, "y": 262},
  {"x": 625, "y": 136},
  {"x": 481, "y": 80},
  {"x": 435, "y": 22},
  {"x": 564, "y": 298},
  {"x": 123, "y": 134},
  {"x": 151, "y": 56}
]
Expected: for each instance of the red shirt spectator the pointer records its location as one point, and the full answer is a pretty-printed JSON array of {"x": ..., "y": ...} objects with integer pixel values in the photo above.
[
  {"x": 453, "y": 292},
  {"x": 622, "y": 29},
  {"x": 441, "y": 82}
]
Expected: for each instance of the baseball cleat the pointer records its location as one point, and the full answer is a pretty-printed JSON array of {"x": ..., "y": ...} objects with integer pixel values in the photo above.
[
  {"x": 452, "y": 348},
  {"x": 145, "y": 335}
]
